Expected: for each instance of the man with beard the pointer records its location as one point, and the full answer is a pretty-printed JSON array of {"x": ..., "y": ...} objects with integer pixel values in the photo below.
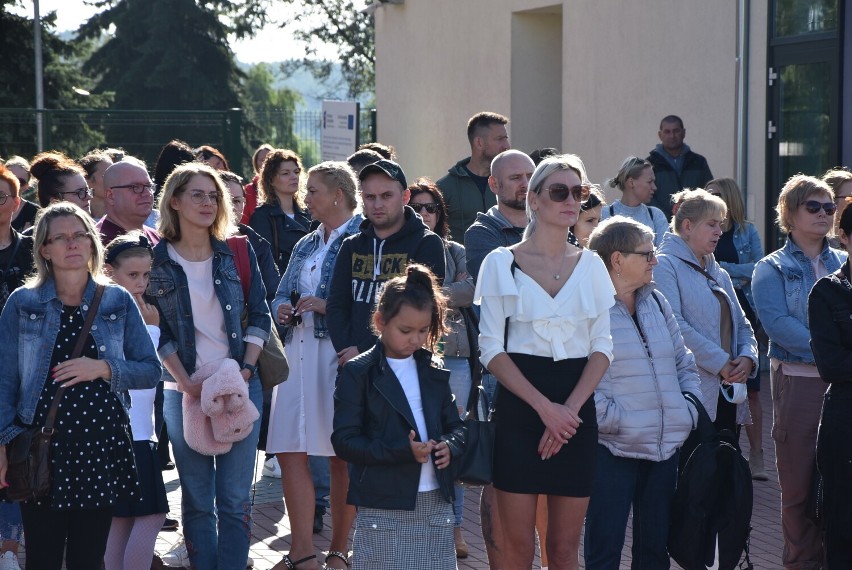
[
  {"x": 128, "y": 200},
  {"x": 391, "y": 237},
  {"x": 465, "y": 186},
  {"x": 502, "y": 225}
]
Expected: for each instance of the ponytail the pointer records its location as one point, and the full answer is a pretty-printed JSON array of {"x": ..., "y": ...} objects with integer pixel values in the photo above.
[{"x": 419, "y": 289}]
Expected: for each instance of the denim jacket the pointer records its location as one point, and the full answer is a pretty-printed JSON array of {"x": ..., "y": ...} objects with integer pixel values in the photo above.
[
  {"x": 29, "y": 326},
  {"x": 304, "y": 249},
  {"x": 781, "y": 284},
  {"x": 169, "y": 291},
  {"x": 749, "y": 251}
]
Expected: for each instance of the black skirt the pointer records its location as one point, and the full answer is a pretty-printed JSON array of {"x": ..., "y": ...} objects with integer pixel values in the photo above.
[
  {"x": 153, "y": 498},
  {"x": 518, "y": 468}
]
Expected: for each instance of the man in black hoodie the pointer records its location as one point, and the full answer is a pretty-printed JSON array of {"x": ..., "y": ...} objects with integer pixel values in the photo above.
[{"x": 391, "y": 237}]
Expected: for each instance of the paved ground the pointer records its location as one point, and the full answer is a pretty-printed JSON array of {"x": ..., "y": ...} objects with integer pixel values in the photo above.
[{"x": 272, "y": 534}]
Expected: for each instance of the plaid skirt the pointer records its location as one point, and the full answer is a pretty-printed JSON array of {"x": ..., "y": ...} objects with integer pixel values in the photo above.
[{"x": 402, "y": 540}]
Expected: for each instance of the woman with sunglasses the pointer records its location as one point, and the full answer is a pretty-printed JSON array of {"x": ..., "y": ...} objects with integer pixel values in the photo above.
[
  {"x": 635, "y": 179},
  {"x": 544, "y": 333},
  {"x": 196, "y": 287},
  {"x": 781, "y": 284},
  {"x": 428, "y": 201},
  {"x": 710, "y": 317},
  {"x": 60, "y": 178}
]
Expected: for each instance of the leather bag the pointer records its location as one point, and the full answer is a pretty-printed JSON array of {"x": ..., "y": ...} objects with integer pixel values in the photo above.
[
  {"x": 272, "y": 365},
  {"x": 29, "y": 454}
]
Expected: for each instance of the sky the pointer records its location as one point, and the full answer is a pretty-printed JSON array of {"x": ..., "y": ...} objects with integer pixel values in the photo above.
[{"x": 71, "y": 13}]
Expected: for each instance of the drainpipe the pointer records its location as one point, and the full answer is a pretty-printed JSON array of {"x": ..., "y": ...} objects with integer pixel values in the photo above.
[{"x": 741, "y": 146}]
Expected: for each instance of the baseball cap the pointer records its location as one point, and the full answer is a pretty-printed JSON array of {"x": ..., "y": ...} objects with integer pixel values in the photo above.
[{"x": 387, "y": 167}]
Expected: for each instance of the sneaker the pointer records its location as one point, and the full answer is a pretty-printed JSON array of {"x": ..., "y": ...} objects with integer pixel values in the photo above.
[
  {"x": 319, "y": 512},
  {"x": 271, "y": 468},
  {"x": 9, "y": 561},
  {"x": 170, "y": 524},
  {"x": 177, "y": 557},
  {"x": 755, "y": 464}
]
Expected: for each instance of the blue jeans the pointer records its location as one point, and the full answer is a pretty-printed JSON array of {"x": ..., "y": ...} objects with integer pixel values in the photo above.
[
  {"x": 321, "y": 476},
  {"x": 619, "y": 483},
  {"x": 460, "y": 380},
  {"x": 11, "y": 526},
  {"x": 216, "y": 491}
]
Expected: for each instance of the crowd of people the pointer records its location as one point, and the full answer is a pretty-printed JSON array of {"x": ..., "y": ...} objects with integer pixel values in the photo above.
[{"x": 591, "y": 322}]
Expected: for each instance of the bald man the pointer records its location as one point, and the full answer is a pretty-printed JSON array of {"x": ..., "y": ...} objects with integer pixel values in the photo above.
[{"x": 129, "y": 199}]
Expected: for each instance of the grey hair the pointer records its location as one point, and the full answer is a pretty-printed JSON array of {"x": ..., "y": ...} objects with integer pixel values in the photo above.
[
  {"x": 545, "y": 168},
  {"x": 631, "y": 167},
  {"x": 618, "y": 233}
]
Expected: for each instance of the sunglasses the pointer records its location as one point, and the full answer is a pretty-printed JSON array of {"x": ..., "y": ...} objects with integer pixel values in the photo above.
[
  {"x": 560, "y": 192},
  {"x": 812, "y": 207},
  {"x": 432, "y": 208},
  {"x": 648, "y": 255}
]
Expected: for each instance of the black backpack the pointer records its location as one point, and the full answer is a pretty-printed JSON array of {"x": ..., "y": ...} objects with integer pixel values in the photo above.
[{"x": 713, "y": 502}]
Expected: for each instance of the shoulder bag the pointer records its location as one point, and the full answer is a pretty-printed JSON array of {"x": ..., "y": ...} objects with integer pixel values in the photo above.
[{"x": 29, "y": 454}]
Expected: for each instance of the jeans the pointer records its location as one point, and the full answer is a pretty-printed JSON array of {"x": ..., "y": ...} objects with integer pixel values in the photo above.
[
  {"x": 460, "y": 380},
  {"x": 647, "y": 486},
  {"x": 321, "y": 476},
  {"x": 11, "y": 526},
  {"x": 216, "y": 501}
]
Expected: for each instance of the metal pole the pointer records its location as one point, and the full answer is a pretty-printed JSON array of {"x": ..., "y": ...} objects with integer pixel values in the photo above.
[{"x": 39, "y": 79}]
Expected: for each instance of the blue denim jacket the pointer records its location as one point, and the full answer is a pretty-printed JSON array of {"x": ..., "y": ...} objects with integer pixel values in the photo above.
[
  {"x": 781, "y": 284},
  {"x": 29, "y": 326},
  {"x": 749, "y": 251},
  {"x": 169, "y": 291},
  {"x": 305, "y": 248}
]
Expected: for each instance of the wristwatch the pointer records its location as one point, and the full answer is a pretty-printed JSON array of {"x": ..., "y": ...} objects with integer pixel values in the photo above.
[{"x": 252, "y": 368}]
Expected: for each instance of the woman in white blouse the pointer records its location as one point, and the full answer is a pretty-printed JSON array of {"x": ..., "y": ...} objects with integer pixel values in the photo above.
[{"x": 544, "y": 333}]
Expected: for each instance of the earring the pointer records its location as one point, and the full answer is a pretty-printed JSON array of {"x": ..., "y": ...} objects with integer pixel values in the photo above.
[{"x": 335, "y": 202}]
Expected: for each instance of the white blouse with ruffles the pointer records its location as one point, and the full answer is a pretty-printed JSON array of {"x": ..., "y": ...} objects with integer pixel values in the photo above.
[{"x": 573, "y": 324}]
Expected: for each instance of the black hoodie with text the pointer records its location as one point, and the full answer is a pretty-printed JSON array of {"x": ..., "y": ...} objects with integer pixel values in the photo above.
[{"x": 364, "y": 264}]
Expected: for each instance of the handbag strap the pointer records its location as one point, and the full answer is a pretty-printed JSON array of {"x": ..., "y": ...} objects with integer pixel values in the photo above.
[
  {"x": 239, "y": 247},
  {"x": 78, "y": 350},
  {"x": 699, "y": 269}
]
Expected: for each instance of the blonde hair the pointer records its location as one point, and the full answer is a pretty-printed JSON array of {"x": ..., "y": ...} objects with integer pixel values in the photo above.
[
  {"x": 730, "y": 193},
  {"x": 631, "y": 167},
  {"x": 169, "y": 226},
  {"x": 696, "y": 206},
  {"x": 338, "y": 174},
  {"x": 43, "y": 269},
  {"x": 542, "y": 172},
  {"x": 795, "y": 192}
]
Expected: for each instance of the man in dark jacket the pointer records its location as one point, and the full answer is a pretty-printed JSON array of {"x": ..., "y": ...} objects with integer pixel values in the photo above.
[
  {"x": 675, "y": 165},
  {"x": 391, "y": 237},
  {"x": 465, "y": 187}
]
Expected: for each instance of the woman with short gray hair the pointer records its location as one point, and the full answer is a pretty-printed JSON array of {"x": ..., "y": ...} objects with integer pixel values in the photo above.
[{"x": 643, "y": 417}]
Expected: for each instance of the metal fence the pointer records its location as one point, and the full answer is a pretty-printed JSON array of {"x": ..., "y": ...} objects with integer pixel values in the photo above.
[{"x": 236, "y": 132}]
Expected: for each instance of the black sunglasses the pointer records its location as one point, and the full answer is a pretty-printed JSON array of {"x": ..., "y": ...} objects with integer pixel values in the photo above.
[
  {"x": 295, "y": 320},
  {"x": 812, "y": 206},
  {"x": 559, "y": 192},
  {"x": 432, "y": 207}
]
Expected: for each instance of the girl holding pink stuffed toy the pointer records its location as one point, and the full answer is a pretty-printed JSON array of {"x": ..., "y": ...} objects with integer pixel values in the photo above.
[{"x": 135, "y": 524}]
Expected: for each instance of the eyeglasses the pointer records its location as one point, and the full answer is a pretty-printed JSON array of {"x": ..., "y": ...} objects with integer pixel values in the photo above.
[
  {"x": 649, "y": 255},
  {"x": 82, "y": 193},
  {"x": 432, "y": 207},
  {"x": 559, "y": 192},
  {"x": 198, "y": 196},
  {"x": 812, "y": 207},
  {"x": 3, "y": 198},
  {"x": 138, "y": 188},
  {"x": 63, "y": 239}
]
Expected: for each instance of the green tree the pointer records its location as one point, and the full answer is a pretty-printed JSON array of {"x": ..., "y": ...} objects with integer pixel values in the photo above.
[
  {"x": 62, "y": 63},
  {"x": 338, "y": 23}
]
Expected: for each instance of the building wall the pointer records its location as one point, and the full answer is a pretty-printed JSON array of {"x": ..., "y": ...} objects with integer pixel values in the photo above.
[{"x": 592, "y": 77}]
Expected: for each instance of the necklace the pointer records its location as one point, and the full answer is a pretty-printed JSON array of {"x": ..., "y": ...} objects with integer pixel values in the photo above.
[{"x": 558, "y": 274}]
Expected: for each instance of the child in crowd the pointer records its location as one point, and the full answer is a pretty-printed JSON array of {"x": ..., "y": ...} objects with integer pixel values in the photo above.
[
  {"x": 135, "y": 525},
  {"x": 396, "y": 423},
  {"x": 589, "y": 217}
]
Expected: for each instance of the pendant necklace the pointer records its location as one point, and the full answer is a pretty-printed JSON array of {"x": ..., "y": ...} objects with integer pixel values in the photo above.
[{"x": 558, "y": 274}]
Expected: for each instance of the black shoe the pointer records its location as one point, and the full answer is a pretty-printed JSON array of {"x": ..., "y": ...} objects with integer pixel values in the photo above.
[
  {"x": 168, "y": 466},
  {"x": 319, "y": 512},
  {"x": 170, "y": 524}
]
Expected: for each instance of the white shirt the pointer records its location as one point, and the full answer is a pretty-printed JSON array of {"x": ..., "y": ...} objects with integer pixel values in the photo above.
[
  {"x": 142, "y": 403},
  {"x": 406, "y": 372},
  {"x": 573, "y": 324},
  {"x": 311, "y": 273}
]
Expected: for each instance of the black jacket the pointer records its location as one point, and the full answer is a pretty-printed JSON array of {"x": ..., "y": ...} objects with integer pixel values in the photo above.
[
  {"x": 363, "y": 266},
  {"x": 830, "y": 320},
  {"x": 695, "y": 174},
  {"x": 372, "y": 420},
  {"x": 269, "y": 220}
]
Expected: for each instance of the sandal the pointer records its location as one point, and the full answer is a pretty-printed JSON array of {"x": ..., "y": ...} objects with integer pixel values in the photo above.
[
  {"x": 336, "y": 554},
  {"x": 292, "y": 565}
]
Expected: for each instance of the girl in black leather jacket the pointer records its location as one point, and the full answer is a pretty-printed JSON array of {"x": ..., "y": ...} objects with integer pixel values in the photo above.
[{"x": 396, "y": 422}]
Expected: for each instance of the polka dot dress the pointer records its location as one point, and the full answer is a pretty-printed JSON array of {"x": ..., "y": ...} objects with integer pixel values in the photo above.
[{"x": 93, "y": 462}]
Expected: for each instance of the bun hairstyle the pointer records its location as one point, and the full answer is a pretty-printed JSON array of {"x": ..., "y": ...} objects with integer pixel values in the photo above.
[
  {"x": 419, "y": 289},
  {"x": 632, "y": 167},
  {"x": 51, "y": 169}
]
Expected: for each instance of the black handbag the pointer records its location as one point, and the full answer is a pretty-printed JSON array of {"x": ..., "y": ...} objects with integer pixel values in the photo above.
[{"x": 29, "y": 454}]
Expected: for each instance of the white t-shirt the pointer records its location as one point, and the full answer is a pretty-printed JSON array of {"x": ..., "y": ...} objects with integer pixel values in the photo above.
[
  {"x": 406, "y": 372},
  {"x": 142, "y": 403}
]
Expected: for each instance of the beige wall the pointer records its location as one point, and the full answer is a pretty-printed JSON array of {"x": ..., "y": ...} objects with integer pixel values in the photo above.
[{"x": 624, "y": 65}]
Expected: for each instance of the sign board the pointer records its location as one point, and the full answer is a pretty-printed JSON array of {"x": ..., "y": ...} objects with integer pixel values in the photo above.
[{"x": 339, "y": 133}]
